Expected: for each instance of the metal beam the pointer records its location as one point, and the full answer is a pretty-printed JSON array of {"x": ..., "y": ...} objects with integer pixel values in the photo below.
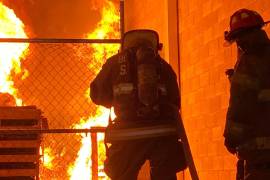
[
  {"x": 52, "y": 40},
  {"x": 53, "y": 131}
]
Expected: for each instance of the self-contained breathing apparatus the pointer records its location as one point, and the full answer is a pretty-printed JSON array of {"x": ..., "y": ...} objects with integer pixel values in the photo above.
[
  {"x": 138, "y": 89},
  {"x": 147, "y": 82},
  {"x": 138, "y": 84}
]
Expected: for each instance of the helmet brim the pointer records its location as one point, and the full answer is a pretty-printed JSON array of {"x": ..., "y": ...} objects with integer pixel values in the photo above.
[
  {"x": 267, "y": 22},
  {"x": 232, "y": 35}
]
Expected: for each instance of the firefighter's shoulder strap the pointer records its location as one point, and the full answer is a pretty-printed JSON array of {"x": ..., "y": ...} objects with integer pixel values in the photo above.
[{"x": 188, "y": 154}]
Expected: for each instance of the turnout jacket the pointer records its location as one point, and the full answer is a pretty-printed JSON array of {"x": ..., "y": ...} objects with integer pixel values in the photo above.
[
  {"x": 102, "y": 90},
  {"x": 248, "y": 114}
]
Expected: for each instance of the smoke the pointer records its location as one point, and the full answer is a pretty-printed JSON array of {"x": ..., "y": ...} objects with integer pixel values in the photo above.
[{"x": 57, "y": 18}]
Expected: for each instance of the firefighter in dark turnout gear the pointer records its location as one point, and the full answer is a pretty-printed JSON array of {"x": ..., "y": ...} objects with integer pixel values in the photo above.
[
  {"x": 240, "y": 163},
  {"x": 248, "y": 117},
  {"x": 143, "y": 90}
]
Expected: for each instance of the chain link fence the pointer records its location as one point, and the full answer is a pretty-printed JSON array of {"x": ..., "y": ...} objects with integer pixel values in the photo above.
[{"x": 56, "y": 78}]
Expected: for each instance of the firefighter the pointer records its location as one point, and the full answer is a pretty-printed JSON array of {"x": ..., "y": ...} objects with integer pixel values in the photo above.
[
  {"x": 248, "y": 117},
  {"x": 142, "y": 88},
  {"x": 240, "y": 163}
]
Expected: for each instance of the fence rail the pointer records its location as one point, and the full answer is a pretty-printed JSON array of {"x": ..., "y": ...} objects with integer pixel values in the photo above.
[
  {"x": 53, "y": 131},
  {"x": 55, "y": 40}
]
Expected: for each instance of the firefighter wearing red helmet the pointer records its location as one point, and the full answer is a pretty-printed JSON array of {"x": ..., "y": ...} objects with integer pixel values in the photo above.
[
  {"x": 247, "y": 126},
  {"x": 143, "y": 90}
]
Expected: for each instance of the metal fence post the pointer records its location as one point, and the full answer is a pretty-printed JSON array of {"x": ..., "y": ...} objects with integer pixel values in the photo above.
[{"x": 94, "y": 156}]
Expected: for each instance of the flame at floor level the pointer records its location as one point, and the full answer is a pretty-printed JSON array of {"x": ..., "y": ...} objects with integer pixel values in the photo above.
[
  {"x": 47, "y": 157},
  {"x": 83, "y": 162},
  {"x": 10, "y": 55},
  {"x": 108, "y": 27}
]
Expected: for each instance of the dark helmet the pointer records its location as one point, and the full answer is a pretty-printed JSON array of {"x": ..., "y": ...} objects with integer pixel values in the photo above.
[
  {"x": 139, "y": 37},
  {"x": 243, "y": 20}
]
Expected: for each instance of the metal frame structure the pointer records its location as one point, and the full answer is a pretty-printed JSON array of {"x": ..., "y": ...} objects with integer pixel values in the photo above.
[
  {"x": 94, "y": 142},
  {"x": 93, "y": 130},
  {"x": 47, "y": 40}
]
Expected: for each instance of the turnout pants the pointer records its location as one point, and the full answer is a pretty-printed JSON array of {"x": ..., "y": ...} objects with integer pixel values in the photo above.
[{"x": 125, "y": 158}]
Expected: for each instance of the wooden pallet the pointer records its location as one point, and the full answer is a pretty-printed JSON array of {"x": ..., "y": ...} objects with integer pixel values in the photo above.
[{"x": 19, "y": 153}]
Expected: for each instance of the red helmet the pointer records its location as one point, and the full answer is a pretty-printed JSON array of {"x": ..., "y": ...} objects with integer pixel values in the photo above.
[{"x": 242, "y": 20}]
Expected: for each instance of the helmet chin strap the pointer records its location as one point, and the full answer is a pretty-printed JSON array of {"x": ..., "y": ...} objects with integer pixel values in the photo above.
[
  {"x": 245, "y": 44},
  {"x": 242, "y": 47}
]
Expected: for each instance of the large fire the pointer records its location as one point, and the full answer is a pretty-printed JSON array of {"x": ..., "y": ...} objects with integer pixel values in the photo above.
[
  {"x": 10, "y": 62},
  {"x": 10, "y": 56},
  {"x": 107, "y": 28},
  {"x": 10, "y": 65}
]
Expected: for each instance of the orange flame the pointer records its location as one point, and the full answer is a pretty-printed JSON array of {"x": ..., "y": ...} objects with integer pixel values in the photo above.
[
  {"x": 47, "y": 157},
  {"x": 108, "y": 27},
  {"x": 83, "y": 161},
  {"x": 10, "y": 56},
  {"x": 10, "y": 64}
]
